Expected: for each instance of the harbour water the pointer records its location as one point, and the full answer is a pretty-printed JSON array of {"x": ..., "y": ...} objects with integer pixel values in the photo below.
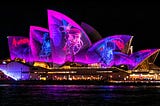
[{"x": 78, "y": 95}]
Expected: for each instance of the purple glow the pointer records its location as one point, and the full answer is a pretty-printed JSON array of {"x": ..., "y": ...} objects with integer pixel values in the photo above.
[
  {"x": 121, "y": 58},
  {"x": 107, "y": 48},
  {"x": 73, "y": 44},
  {"x": 119, "y": 42},
  {"x": 140, "y": 56},
  {"x": 19, "y": 47},
  {"x": 67, "y": 41},
  {"x": 56, "y": 22},
  {"x": 40, "y": 44},
  {"x": 3, "y": 68},
  {"x": 15, "y": 69}
]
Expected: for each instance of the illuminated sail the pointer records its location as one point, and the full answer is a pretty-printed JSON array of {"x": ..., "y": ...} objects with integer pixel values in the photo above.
[
  {"x": 40, "y": 44},
  {"x": 19, "y": 47},
  {"x": 63, "y": 31}
]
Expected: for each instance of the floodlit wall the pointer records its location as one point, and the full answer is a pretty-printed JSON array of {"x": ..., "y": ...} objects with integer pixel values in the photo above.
[{"x": 15, "y": 70}]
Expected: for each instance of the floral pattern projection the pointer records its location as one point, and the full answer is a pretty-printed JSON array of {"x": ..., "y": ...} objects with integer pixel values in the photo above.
[
  {"x": 19, "y": 47},
  {"x": 69, "y": 39},
  {"x": 40, "y": 44}
]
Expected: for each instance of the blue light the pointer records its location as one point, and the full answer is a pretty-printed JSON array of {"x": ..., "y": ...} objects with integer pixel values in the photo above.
[{"x": 46, "y": 47}]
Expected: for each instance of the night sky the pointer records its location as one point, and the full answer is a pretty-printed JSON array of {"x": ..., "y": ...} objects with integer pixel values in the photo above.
[{"x": 139, "y": 19}]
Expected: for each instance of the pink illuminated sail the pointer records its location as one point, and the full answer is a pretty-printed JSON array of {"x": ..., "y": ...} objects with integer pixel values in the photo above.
[
  {"x": 40, "y": 44},
  {"x": 19, "y": 47},
  {"x": 62, "y": 29}
]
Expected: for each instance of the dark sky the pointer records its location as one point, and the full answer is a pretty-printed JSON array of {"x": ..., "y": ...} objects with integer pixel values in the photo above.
[{"x": 140, "y": 19}]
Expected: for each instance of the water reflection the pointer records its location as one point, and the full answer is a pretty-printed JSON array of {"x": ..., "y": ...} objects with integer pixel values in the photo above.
[{"x": 80, "y": 95}]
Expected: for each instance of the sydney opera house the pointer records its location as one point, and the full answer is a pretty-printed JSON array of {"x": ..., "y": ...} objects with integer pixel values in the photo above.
[{"x": 67, "y": 50}]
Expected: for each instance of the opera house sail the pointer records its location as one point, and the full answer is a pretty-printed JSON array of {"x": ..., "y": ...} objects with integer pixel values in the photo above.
[
  {"x": 108, "y": 48},
  {"x": 66, "y": 41},
  {"x": 68, "y": 38},
  {"x": 40, "y": 44},
  {"x": 19, "y": 47}
]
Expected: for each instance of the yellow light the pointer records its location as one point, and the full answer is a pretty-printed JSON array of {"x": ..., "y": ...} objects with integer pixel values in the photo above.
[
  {"x": 42, "y": 78},
  {"x": 134, "y": 75},
  {"x": 41, "y": 64}
]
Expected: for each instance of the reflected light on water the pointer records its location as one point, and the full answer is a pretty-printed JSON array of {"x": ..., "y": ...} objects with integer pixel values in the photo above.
[{"x": 78, "y": 95}]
